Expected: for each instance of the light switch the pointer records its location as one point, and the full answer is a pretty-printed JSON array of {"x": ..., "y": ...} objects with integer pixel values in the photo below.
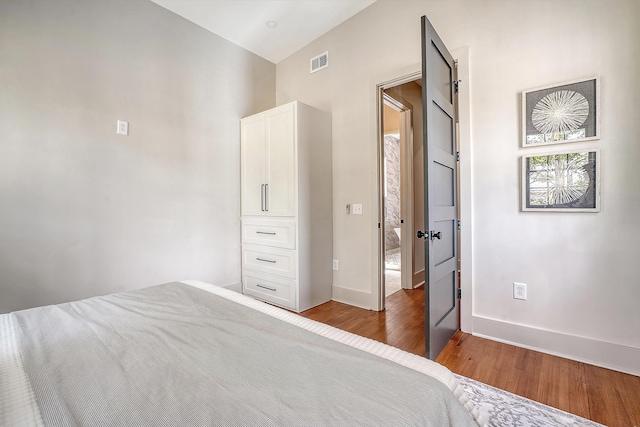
[
  {"x": 357, "y": 208},
  {"x": 123, "y": 128}
]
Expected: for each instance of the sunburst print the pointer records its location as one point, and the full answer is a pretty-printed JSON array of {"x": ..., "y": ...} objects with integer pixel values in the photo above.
[{"x": 560, "y": 111}]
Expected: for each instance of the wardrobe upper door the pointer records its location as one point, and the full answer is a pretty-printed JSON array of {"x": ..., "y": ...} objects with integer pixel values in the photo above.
[
  {"x": 281, "y": 161},
  {"x": 253, "y": 176}
]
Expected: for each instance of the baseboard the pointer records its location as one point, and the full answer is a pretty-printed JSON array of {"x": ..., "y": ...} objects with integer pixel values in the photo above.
[
  {"x": 351, "y": 297},
  {"x": 594, "y": 352},
  {"x": 417, "y": 278},
  {"x": 416, "y": 286}
]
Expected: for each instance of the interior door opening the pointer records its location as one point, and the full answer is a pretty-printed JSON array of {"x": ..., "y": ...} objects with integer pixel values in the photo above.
[
  {"x": 435, "y": 189},
  {"x": 401, "y": 190}
]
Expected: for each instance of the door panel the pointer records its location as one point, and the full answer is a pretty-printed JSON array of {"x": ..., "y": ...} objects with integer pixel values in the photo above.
[
  {"x": 443, "y": 178},
  {"x": 441, "y": 70},
  {"x": 444, "y": 297},
  {"x": 443, "y": 248},
  {"x": 281, "y": 162},
  {"x": 440, "y": 175},
  {"x": 253, "y": 176},
  {"x": 443, "y": 128}
]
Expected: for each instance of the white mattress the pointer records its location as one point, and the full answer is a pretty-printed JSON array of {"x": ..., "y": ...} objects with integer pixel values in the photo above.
[{"x": 19, "y": 408}]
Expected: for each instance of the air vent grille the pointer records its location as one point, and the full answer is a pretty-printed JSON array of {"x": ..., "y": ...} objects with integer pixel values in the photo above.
[{"x": 319, "y": 62}]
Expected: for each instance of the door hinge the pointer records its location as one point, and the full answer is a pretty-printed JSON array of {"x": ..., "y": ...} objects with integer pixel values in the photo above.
[
  {"x": 457, "y": 156},
  {"x": 456, "y": 84},
  {"x": 378, "y": 225},
  {"x": 459, "y": 226},
  {"x": 459, "y": 293}
]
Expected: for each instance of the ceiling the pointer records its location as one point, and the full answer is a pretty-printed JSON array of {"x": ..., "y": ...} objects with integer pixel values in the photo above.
[{"x": 246, "y": 22}]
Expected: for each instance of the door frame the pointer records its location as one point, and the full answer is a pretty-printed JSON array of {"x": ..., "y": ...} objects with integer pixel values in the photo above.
[{"x": 461, "y": 55}]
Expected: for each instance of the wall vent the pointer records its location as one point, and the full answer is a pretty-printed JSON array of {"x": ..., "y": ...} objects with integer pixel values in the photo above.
[{"x": 319, "y": 62}]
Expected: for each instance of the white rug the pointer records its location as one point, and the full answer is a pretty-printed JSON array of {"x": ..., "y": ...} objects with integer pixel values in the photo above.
[{"x": 503, "y": 409}]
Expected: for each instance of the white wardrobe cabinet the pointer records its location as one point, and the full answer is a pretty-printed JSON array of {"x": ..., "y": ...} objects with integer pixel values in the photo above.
[{"x": 286, "y": 206}]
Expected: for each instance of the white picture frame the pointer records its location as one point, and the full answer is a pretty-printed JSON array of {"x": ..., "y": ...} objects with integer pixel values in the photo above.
[
  {"x": 561, "y": 113},
  {"x": 566, "y": 181}
]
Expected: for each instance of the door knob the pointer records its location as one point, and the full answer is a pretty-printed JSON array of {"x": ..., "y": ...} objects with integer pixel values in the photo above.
[{"x": 429, "y": 235}]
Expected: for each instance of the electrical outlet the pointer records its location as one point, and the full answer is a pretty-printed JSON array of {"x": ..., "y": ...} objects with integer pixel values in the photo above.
[
  {"x": 123, "y": 128},
  {"x": 357, "y": 208},
  {"x": 335, "y": 264},
  {"x": 519, "y": 290}
]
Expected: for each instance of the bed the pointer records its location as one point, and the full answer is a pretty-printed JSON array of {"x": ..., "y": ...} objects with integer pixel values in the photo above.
[{"x": 190, "y": 353}]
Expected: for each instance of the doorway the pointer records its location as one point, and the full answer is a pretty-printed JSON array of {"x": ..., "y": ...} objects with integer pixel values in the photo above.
[
  {"x": 463, "y": 132},
  {"x": 401, "y": 186},
  {"x": 402, "y": 153}
]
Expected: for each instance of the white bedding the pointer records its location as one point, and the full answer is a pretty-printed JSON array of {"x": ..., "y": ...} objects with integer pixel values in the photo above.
[
  {"x": 17, "y": 401},
  {"x": 18, "y": 405},
  {"x": 377, "y": 348}
]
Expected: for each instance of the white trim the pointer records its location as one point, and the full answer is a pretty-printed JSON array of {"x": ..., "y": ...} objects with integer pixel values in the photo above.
[
  {"x": 465, "y": 252},
  {"x": 582, "y": 349},
  {"x": 351, "y": 297},
  {"x": 406, "y": 199}
]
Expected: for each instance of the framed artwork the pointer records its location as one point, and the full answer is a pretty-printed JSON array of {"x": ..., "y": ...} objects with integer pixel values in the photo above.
[
  {"x": 566, "y": 112},
  {"x": 561, "y": 182}
]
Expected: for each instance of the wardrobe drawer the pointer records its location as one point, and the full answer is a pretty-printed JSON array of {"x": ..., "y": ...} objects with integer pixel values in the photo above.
[
  {"x": 275, "y": 290},
  {"x": 281, "y": 262},
  {"x": 277, "y": 234}
]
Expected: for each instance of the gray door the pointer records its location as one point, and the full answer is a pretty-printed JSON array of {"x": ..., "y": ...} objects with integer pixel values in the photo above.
[{"x": 440, "y": 210}]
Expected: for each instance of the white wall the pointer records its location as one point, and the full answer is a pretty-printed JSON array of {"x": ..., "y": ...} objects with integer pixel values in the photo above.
[
  {"x": 580, "y": 268},
  {"x": 84, "y": 211}
]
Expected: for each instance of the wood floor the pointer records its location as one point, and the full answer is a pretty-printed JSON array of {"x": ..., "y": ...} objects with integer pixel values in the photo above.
[{"x": 607, "y": 397}]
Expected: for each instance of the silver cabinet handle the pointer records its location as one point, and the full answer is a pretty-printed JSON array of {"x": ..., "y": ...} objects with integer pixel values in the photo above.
[
  {"x": 266, "y": 287},
  {"x": 266, "y": 197},
  {"x": 266, "y": 260},
  {"x": 262, "y": 197},
  {"x": 264, "y": 232}
]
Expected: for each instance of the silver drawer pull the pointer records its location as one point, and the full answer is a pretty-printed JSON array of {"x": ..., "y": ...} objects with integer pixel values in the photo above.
[
  {"x": 264, "y": 232},
  {"x": 267, "y": 288},
  {"x": 266, "y": 260}
]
